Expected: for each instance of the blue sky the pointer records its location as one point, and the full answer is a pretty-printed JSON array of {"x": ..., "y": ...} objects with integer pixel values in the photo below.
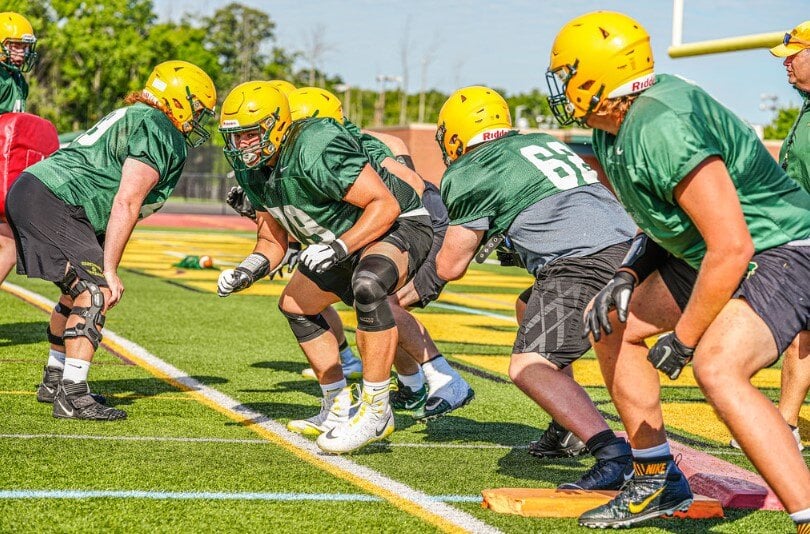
[{"x": 506, "y": 43}]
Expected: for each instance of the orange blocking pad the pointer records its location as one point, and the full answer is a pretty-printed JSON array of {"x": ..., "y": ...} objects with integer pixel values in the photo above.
[{"x": 531, "y": 502}]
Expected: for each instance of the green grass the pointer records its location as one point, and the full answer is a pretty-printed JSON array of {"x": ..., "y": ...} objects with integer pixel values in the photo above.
[{"x": 242, "y": 347}]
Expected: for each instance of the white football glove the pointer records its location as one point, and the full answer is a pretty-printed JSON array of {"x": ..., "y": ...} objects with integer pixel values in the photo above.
[{"x": 321, "y": 257}]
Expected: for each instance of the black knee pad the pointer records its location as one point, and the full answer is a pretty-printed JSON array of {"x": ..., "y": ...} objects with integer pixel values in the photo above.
[
  {"x": 306, "y": 327},
  {"x": 54, "y": 339},
  {"x": 375, "y": 278},
  {"x": 93, "y": 318},
  {"x": 67, "y": 282},
  {"x": 64, "y": 311}
]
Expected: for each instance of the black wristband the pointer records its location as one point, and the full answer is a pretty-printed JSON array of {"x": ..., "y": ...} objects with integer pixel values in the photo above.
[{"x": 644, "y": 256}]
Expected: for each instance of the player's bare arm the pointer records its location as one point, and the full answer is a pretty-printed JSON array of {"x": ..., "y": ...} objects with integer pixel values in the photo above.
[
  {"x": 457, "y": 252},
  {"x": 710, "y": 199},
  {"x": 380, "y": 210},
  {"x": 137, "y": 179},
  {"x": 271, "y": 239}
]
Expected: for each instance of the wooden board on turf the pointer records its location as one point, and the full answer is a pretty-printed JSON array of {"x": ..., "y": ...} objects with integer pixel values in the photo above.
[{"x": 544, "y": 502}]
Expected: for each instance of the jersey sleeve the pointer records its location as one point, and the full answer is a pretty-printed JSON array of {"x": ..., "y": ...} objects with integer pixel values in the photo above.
[
  {"x": 461, "y": 195},
  {"x": 148, "y": 145},
  {"x": 335, "y": 169},
  {"x": 674, "y": 144}
]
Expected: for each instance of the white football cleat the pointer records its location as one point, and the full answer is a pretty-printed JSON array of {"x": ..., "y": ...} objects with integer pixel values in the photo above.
[
  {"x": 374, "y": 421},
  {"x": 449, "y": 397},
  {"x": 334, "y": 411}
]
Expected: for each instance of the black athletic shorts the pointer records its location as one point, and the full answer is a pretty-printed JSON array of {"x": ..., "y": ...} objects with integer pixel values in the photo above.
[
  {"x": 409, "y": 234},
  {"x": 679, "y": 277},
  {"x": 552, "y": 324},
  {"x": 777, "y": 287},
  {"x": 50, "y": 234},
  {"x": 426, "y": 282}
]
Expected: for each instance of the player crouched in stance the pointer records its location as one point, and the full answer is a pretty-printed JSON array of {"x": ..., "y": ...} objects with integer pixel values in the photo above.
[
  {"x": 726, "y": 266},
  {"x": 366, "y": 234},
  {"x": 426, "y": 384},
  {"x": 72, "y": 215},
  {"x": 568, "y": 231}
]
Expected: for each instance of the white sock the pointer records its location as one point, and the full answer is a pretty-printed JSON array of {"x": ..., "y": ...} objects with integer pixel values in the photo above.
[
  {"x": 653, "y": 452},
  {"x": 413, "y": 382},
  {"x": 438, "y": 373},
  {"x": 56, "y": 359},
  {"x": 76, "y": 370},
  {"x": 331, "y": 390},
  {"x": 802, "y": 516},
  {"x": 347, "y": 355},
  {"x": 377, "y": 391}
]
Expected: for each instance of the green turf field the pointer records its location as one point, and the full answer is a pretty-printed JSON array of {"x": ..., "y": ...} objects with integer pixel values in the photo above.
[{"x": 180, "y": 464}]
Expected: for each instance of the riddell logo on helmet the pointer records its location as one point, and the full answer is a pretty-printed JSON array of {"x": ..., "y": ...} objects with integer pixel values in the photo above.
[
  {"x": 634, "y": 86},
  {"x": 641, "y": 85},
  {"x": 489, "y": 135}
]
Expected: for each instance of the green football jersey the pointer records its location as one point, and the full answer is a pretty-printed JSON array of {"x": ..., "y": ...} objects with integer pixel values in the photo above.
[
  {"x": 377, "y": 150},
  {"x": 87, "y": 172},
  {"x": 671, "y": 128},
  {"x": 319, "y": 161},
  {"x": 13, "y": 90},
  {"x": 795, "y": 152},
  {"x": 501, "y": 178}
]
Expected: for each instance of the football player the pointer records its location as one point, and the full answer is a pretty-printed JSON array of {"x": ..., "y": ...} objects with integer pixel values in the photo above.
[
  {"x": 17, "y": 55},
  {"x": 723, "y": 262},
  {"x": 72, "y": 215},
  {"x": 366, "y": 233},
  {"x": 569, "y": 233},
  {"x": 425, "y": 384},
  {"x": 238, "y": 200}
]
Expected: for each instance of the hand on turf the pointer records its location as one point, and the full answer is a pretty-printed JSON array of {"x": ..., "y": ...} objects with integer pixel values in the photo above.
[
  {"x": 669, "y": 355},
  {"x": 290, "y": 260},
  {"x": 616, "y": 294},
  {"x": 233, "y": 280},
  {"x": 321, "y": 257},
  {"x": 237, "y": 199}
]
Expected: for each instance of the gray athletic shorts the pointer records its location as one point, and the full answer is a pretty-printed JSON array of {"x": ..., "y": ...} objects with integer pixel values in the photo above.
[
  {"x": 552, "y": 324},
  {"x": 777, "y": 287}
]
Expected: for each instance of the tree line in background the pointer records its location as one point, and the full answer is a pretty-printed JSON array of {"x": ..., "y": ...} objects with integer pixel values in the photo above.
[{"x": 94, "y": 52}]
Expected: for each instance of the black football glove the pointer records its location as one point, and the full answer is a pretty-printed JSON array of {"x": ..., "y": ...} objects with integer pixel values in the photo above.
[
  {"x": 290, "y": 260},
  {"x": 238, "y": 200},
  {"x": 616, "y": 294},
  {"x": 670, "y": 356}
]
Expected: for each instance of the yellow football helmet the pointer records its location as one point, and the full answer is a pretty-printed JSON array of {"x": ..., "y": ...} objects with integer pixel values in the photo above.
[
  {"x": 14, "y": 28},
  {"x": 471, "y": 116},
  {"x": 315, "y": 102},
  {"x": 188, "y": 95},
  {"x": 283, "y": 86},
  {"x": 253, "y": 108},
  {"x": 594, "y": 57}
]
